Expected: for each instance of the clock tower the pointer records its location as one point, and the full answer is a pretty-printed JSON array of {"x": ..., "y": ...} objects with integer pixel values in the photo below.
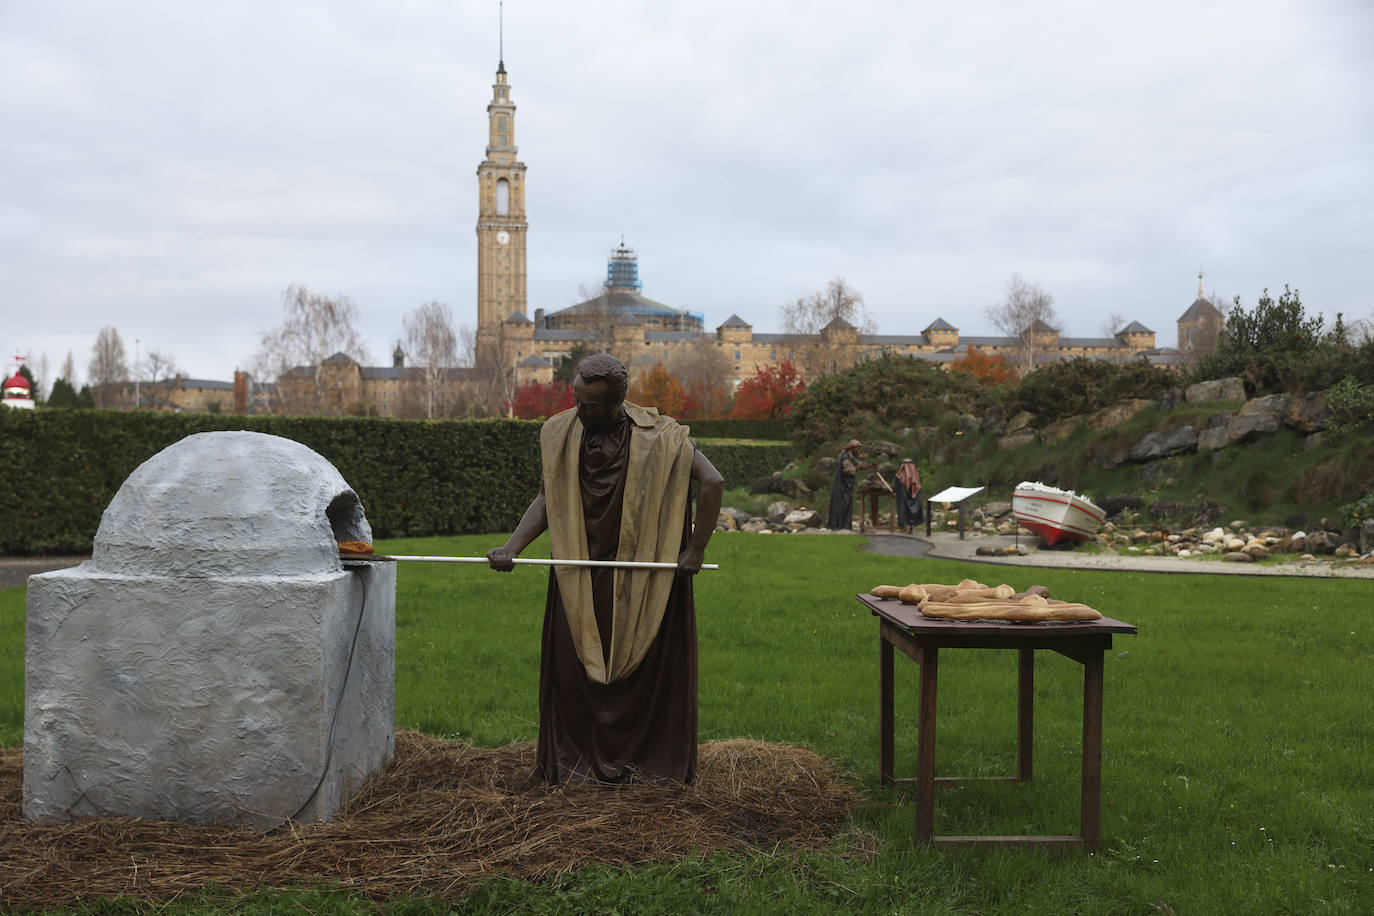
[{"x": 501, "y": 222}]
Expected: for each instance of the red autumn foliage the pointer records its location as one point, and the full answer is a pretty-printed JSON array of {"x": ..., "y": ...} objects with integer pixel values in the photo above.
[
  {"x": 773, "y": 393},
  {"x": 534, "y": 400},
  {"x": 989, "y": 370}
]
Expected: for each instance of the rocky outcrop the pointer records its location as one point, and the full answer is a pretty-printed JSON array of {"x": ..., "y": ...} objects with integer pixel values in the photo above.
[
  {"x": 790, "y": 487},
  {"x": 994, "y": 421},
  {"x": 1158, "y": 444},
  {"x": 1306, "y": 414},
  {"x": 1258, "y": 416},
  {"x": 1118, "y": 413},
  {"x": 1216, "y": 434},
  {"x": 1060, "y": 430},
  {"x": 1218, "y": 389},
  {"x": 1016, "y": 440}
]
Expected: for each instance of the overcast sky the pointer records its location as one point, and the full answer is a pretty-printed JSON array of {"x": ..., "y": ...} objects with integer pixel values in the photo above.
[{"x": 169, "y": 168}]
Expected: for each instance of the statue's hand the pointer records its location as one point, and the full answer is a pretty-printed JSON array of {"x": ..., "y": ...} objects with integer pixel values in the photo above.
[
  {"x": 690, "y": 560},
  {"x": 501, "y": 558}
]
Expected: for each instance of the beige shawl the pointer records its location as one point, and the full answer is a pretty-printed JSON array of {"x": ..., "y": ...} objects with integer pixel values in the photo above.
[{"x": 656, "y": 485}]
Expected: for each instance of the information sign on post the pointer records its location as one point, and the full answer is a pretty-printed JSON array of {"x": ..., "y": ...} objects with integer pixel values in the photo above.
[{"x": 954, "y": 495}]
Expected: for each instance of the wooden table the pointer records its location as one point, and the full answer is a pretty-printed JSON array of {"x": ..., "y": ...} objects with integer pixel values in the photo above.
[
  {"x": 872, "y": 497},
  {"x": 921, "y": 638}
]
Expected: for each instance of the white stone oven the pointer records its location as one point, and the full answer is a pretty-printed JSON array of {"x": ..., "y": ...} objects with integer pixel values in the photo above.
[{"x": 213, "y": 662}]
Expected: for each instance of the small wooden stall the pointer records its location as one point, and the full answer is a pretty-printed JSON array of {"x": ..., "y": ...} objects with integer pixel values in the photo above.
[
  {"x": 871, "y": 494},
  {"x": 921, "y": 638}
]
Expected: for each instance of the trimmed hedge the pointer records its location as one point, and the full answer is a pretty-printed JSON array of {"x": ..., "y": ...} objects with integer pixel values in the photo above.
[
  {"x": 62, "y": 467},
  {"x": 740, "y": 463},
  {"x": 414, "y": 477},
  {"x": 726, "y": 428}
]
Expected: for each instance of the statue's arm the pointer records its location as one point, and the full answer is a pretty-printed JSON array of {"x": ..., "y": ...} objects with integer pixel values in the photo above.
[
  {"x": 531, "y": 525},
  {"x": 710, "y": 486}
]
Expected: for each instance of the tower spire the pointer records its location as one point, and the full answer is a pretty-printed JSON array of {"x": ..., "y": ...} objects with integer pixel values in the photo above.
[
  {"x": 501, "y": 36},
  {"x": 1199, "y": 283}
]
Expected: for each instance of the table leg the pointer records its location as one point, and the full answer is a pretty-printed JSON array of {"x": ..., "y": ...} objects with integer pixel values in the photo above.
[
  {"x": 925, "y": 746},
  {"x": 885, "y": 711},
  {"x": 1091, "y": 810},
  {"x": 1025, "y": 714}
]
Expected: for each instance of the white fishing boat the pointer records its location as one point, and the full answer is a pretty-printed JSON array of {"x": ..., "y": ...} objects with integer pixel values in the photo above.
[{"x": 1054, "y": 514}]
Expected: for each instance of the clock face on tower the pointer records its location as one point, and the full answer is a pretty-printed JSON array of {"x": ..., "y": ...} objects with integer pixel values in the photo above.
[{"x": 503, "y": 236}]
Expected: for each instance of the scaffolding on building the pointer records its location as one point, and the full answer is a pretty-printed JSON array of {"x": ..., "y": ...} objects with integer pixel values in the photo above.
[{"x": 622, "y": 269}]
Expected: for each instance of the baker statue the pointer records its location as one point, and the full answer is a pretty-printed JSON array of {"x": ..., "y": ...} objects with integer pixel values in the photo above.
[{"x": 618, "y": 669}]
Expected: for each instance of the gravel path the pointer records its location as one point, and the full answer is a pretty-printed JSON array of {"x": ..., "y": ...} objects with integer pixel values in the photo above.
[
  {"x": 947, "y": 546},
  {"x": 16, "y": 570}
]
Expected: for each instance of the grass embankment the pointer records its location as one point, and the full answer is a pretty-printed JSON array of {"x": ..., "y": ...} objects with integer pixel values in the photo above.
[
  {"x": 1265, "y": 482},
  {"x": 1236, "y": 767}
]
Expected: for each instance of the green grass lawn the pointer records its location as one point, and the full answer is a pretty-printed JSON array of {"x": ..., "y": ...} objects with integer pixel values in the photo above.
[{"x": 1237, "y": 766}]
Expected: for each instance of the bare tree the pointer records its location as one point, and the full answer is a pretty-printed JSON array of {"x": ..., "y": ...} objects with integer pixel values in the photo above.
[
  {"x": 433, "y": 344},
  {"x": 1114, "y": 323},
  {"x": 704, "y": 371},
  {"x": 157, "y": 372},
  {"x": 68, "y": 371},
  {"x": 491, "y": 384},
  {"x": 42, "y": 385},
  {"x": 107, "y": 371},
  {"x": 598, "y": 315},
  {"x": 315, "y": 328},
  {"x": 1027, "y": 314},
  {"x": 826, "y": 326}
]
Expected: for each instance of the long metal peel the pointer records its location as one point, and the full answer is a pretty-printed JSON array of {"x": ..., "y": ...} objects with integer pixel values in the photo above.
[{"x": 524, "y": 561}]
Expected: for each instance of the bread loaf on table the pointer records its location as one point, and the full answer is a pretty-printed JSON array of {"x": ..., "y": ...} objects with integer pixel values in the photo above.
[{"x": 1031, "y": 608}]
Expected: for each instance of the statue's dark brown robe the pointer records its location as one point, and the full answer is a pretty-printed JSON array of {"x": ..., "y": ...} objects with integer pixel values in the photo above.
[{"x": 642, "y": 725}]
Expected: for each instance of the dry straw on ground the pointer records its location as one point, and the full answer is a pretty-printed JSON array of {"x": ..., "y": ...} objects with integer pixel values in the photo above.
[{"x": 440, "y": 818}]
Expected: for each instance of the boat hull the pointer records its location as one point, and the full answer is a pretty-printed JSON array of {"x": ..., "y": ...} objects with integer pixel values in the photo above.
[{"x": 1056, "y": 515}]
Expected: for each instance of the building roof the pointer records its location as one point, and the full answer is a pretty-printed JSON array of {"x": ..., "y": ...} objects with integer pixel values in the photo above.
[
  {"x": 1096, "y": 342},
  {"x": 622, "y": 301},
  {"x": 1201, "y": 308},
  {"x": 517, "y": 318},
  {"x": 735, "y": 321},
  {"x": 939, "y": 324},
  {"x": 895, "y": 340},
  {"x": 536, "y": 360},
  {"x": 204, "y": 384},
  {"x": 1135, "y": 327},
  {"x": 838, "y": 324}
]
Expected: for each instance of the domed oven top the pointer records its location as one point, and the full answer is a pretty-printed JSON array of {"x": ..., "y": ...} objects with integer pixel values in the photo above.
[{"x": 226, "y": 504}]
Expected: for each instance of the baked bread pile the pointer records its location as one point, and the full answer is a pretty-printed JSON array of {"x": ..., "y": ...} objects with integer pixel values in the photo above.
[
  {"x": 355, "y": 547},
  {"x": 970, "y": 600}
]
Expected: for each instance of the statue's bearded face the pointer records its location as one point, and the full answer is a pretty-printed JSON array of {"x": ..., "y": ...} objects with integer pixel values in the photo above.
[{"x": 597, "y": 406}]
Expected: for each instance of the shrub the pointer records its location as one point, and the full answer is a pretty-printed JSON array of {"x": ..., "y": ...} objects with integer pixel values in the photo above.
[
  {"x": 1277, "y": 347},
  {"x": 538, "y": 401},
  {"x": 1081, "y": 385},
  {"x": 1350, "y": 404},
  {"x": 1360, "y": 510},
  {"x": 772, "y": 393},
  {"x": 893, "y": 390}
]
